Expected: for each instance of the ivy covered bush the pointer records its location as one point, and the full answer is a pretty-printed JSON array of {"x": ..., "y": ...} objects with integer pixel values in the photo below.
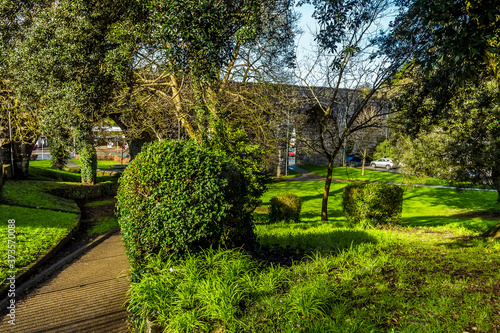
[
  {"x": 179, "y": 197},
  {"x": 88, "y": 160},
  {"x": 285, "y": 207},
  {"x": 372, "y": 204}
]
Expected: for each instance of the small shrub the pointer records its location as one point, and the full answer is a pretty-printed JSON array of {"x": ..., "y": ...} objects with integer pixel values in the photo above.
[
  {"x": 372, "y": 204},
  {"x": 285, "y": 207},
  {"x": 179, "y": 197}
]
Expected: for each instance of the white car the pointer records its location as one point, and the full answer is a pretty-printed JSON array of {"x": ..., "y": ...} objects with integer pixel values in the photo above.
[{"x": 383, "y": 163}]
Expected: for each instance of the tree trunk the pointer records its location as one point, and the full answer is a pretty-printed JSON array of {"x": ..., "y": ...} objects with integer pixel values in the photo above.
[
  {"x": 493, "y": 232},
  {"x": 135, "y": 146},
  {"x": 326, "y": 192},
  {"x": 21, "y": 154},
  {"x": 364, "y": 160}
]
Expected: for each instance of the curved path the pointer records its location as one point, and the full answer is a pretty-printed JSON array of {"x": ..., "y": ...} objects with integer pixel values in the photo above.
[{"x": 85, "y": 296}]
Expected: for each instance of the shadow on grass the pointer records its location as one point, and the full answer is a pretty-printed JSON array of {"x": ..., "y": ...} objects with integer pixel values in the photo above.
[
  {"x": 450, "y": 198},
  {"x": 457, "y": 220},
  {"x": 319, "y": 196},
  {"x": 322, "y": 240}
]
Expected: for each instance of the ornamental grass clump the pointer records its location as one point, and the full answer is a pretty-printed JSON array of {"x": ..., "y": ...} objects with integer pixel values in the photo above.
[
  {"x": 373, "y": 204},
  {"x": 179, "y": 197},
  {"x": 285, "y": 207}
]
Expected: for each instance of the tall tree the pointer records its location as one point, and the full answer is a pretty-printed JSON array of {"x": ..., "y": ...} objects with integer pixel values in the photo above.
[
  {"x": 464, "y": 147},
  {"x": 455, "y": 44},
  {"x": 348, "y": 62},
  {"x": 187, "y": 75},
  {"x": 68, "y": 63},
  {"x": 460, "y": 36}
]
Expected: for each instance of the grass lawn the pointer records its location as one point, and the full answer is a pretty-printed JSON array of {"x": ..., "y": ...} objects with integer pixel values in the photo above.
[
  {"x": 371, "y": 175},
  {"x": 291, "y": 174},
  {"x": 102, "y": 223},
  {"x": 41, "y": 170},
  {"x": 101, "y": 164},
  {"x": 37, "y": 230},
  {"x": 464, "y": 213},
  {"x": 428, "y": 275},
  {"x": 34, "y": 194}
]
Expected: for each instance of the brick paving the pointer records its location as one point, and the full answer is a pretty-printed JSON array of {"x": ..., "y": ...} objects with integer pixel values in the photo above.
[{"x": 85, "y": 296}]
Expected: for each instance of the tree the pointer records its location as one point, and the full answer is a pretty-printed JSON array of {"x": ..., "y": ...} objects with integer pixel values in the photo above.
[
  {"x": 177, "y": 93},
  {"x": 457, "y": 51},
  {"x": 455, "y": 43},
  {"x": 368, "y": 136},
  {"x": 68, "y": 62},
  {"x": 348, "y": 61},
  {"x": 464, "y": 148},
  {"x": 461, "y": 36}
]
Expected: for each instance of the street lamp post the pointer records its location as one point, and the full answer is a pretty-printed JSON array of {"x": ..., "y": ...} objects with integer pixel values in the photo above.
[{"x": 11, "y": 145}]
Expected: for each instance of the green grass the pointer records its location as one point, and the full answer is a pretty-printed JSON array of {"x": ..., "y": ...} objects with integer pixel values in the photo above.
[
  {"x": 463, "y": 212},
  {"x": 101, "y": 164},
  {"x": 291, "y": 174},
  {"x": 42, "y": 170},
  {"x": 406, "y": 281},
  {"x": 428, "y": 275},
  {"x": 100, "y": 203},
  {"x": 104, "y": 224},
  {"x": 371, "y": 175},
  {"x": 37, "y": 231},
  {"x": 34, "y": 194}
]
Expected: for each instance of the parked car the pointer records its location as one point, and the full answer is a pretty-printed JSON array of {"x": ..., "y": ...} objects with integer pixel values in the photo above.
[
  {"x": 383, "y": 163},
  {"x": 354, "y": 161}
]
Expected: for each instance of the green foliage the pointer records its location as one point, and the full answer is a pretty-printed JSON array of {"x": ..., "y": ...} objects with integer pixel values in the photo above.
[
  {"x": 248, "y": 157},
  {"x": 68, "y": 59},
  {"x": 104, "y": 224},
  {"x": 372, "y": 204},
  {"x": 59, "y": 153},
  {"x": 37, "y": 231},
  {"x": 201, "y": 36},
  {"x": 365, "y": 287},
  {"x": 88, "y": 160},
  {"x": 460, "y": 37},
  {"x": 461, "y": 144},
  {"x": 285, "y": 207},
  {"x": 383, "y": 150},
  {"x": 178, "y": 196}
]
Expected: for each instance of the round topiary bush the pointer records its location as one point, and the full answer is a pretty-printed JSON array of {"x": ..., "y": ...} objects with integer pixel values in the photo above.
[
  {"x": 178, "y": 196},
  {"x": 285, "y": 207},
  {"x": 372, "y": 204}
]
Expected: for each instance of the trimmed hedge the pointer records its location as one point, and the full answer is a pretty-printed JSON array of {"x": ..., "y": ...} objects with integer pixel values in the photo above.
[
  {"x": 372, "y": 204},
  {"x": 99, "y": 190},
  {"x": 285, "y": 207},
  {"x": 179, "y": 197}
]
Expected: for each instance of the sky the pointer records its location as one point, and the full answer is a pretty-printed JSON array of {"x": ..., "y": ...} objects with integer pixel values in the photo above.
[{"x": 305, "y": 42}]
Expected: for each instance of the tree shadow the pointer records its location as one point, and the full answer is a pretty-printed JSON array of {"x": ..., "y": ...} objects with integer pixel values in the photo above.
[
  {"x": 327, "y": 241},
  {"x": 462, "y": 199}
]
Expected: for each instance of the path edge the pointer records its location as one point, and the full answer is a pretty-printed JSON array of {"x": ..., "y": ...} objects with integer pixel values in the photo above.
[{"x": 53, "y": 269}]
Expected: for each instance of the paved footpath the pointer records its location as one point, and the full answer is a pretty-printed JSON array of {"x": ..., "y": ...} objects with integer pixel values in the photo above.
[{"x": 85, "y": 296}]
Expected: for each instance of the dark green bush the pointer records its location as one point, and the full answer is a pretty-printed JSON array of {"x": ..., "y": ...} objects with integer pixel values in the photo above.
[
  {"x": 88, "y": 160},
  {"x": 372, "y": 204},
  {"x": 178, "y": 197},
  {"x": 285, "y": 207}
]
